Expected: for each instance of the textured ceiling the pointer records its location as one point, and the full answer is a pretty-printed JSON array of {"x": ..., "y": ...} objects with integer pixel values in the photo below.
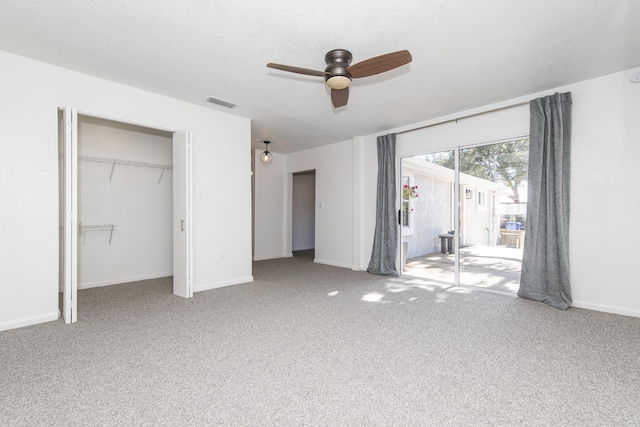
[{"x": 466, "y": 54}]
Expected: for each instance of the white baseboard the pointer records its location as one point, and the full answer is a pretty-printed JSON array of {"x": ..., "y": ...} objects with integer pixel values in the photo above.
[
  {"x": 332, "y": 263},
  {"x": 215, "y": 285},
  {"x": 606, "y": 309},
  {"x": 29, "y": 321},
  {"x": 266, "y": 257},
  {"x": 123, "y": 280}
]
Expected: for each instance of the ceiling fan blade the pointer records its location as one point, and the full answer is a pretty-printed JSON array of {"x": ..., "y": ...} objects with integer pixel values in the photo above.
[
  {"x": 339, "y": 97},
  {"x": 379, "y": 64},
  {"x": 296, "y": 70}
]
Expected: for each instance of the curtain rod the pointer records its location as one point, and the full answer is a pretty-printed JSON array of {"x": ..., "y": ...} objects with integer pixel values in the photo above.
[{"x": 464, "y": 117}]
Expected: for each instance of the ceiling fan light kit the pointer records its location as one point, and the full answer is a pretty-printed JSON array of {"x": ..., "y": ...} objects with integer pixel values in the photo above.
[
  {"x": 339, "y": 72},
  {"x": 338, "y": 82}
]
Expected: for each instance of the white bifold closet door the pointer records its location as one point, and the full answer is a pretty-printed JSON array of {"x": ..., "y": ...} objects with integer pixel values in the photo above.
[
  {"x": 182, "y": 208},
  {"x": 182, "y": 213},
  {"x": 70, "y": 220}
]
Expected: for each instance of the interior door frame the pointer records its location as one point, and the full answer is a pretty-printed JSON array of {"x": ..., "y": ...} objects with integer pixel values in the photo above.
[
  {"x": 69, "y": 252},
  {"x": 310, "y": 172}
]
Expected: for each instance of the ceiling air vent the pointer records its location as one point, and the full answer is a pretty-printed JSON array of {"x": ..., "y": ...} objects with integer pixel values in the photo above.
[{"x": 217, "y": 101}]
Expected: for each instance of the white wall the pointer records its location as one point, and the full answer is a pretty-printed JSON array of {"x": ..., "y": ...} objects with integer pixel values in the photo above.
[
  {"x": 605, "y": 151},
  {"x": 32, "y": 92},
  {"x": 303, "y": 224},
  {"x": 138, "y": 200},
  {"x": 333, "y": 165},
  {"x": 270, "y": 202},
  {"x": 334, "y": 221}
]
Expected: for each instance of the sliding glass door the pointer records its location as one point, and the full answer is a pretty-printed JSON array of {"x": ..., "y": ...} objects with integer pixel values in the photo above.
[{"x": 472, "y": 236}]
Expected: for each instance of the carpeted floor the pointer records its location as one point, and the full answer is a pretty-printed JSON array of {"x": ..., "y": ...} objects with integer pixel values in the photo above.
[{"x": 314, "y": 345}]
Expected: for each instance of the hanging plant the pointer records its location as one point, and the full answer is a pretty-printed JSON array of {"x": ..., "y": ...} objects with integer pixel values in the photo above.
[{"x": 408, "y": 192}]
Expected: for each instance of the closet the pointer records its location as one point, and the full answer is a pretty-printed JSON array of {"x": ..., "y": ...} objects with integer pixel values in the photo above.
[{"x": 125, "y": 202}]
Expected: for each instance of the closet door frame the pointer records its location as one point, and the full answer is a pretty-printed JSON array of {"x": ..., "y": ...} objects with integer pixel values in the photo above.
[{"x": 182, "y": 248}]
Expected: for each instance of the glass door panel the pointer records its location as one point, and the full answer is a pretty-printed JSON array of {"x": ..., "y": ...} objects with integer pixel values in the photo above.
[
  {"x": 427, "y": 213},
  {"x": 493, "y": 184}
]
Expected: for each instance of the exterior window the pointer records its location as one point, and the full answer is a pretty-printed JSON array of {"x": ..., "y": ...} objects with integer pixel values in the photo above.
[
  {"x": 482, "y": 200},
  {"x": 406, "y": 202},
  {"x": 409, "y": 192}
]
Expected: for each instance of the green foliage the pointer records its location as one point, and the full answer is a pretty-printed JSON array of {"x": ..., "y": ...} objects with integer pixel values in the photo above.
[{"x": 505, "y": 163}]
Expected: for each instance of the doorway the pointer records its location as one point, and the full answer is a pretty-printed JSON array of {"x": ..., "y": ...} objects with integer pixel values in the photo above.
[
  {"x": 120, "y": 205},
  {"x": 464, "y": 215},
  {"x": 303, "y": 217}
]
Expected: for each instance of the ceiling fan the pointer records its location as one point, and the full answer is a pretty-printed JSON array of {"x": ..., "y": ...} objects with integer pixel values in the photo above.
[{"x": 339, "y": 72}]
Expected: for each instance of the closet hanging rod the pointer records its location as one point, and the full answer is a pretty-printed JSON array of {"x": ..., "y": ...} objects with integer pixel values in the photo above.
[
  {"x": 97, "y": 226},
  {"x": 112, "y": 161}
]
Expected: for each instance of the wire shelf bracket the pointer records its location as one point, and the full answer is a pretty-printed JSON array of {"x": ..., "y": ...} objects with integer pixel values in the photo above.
[
  {"x": 114, "y": 162},
  {"x": 96, "y": 227}
]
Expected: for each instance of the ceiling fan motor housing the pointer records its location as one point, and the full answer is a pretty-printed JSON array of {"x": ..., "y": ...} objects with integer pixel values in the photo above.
[{"x": 338, "y": 60}]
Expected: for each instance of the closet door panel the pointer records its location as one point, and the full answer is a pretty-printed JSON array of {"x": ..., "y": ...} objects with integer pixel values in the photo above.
[
  {"x": 70, "y": 229},
  {"x": 182, "y": 208}
]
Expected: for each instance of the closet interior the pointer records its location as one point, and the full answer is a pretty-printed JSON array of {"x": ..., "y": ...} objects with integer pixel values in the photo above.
[{"x": 125, "y": 202}]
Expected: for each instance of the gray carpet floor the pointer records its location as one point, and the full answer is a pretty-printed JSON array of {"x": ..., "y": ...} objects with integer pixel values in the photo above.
[{"x": 314, "y": 345}]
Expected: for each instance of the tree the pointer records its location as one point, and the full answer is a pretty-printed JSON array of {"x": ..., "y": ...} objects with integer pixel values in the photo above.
[{"x": 505, "y": 162}]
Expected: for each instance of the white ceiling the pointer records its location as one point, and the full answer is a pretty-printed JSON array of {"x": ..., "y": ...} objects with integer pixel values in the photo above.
[{"x": 466, "y": 53}]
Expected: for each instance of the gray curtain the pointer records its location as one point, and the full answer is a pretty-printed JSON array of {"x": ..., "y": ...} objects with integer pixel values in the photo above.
[
  {"x": 545, "y": 263},
  {"x": 385, "y": 240}
]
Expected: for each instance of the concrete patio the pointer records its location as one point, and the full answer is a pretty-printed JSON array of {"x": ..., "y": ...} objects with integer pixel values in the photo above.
[{"x": 491, "y": 267}]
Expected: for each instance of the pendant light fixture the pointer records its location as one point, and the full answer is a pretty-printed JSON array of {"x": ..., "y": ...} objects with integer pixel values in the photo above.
[{"x": 266, "y": 157}]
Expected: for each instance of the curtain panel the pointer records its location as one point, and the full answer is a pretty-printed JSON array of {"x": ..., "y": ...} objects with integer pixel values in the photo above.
[
  {"x": 385, "y": 240},
  {"x": 545, "y": 263}
]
